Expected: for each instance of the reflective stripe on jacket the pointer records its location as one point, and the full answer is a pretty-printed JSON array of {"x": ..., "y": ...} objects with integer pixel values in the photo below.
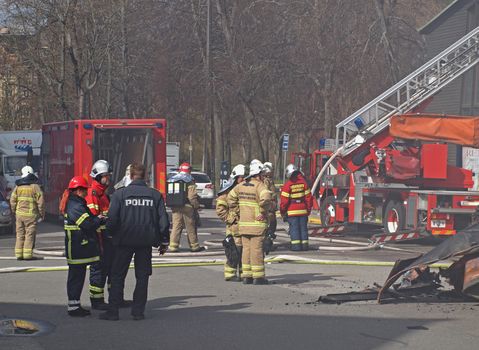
[
  {"x": 296, "y": 199},
  {"x": 81, "y": 242},
  {"x": 28, "y": 201},
  {"x": 97, "y": 200},
  {"x": 253, "y": 199},
  {"x": 229, "y": 217}
]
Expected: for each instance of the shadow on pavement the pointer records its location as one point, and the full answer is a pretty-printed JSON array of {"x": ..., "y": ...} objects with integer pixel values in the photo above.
[{"x": 224, "y": 326}]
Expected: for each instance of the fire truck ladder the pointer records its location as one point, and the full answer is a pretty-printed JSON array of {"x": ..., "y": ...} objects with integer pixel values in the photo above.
[{"x": 409, "y": 93}]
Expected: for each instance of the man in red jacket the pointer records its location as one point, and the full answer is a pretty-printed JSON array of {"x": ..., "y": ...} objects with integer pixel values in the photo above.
[
  {"x": 296, "y": 203},
  {"x": 98, "y": 202}
]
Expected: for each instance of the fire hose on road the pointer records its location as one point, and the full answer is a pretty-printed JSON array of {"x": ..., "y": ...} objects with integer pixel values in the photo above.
[{"x": 171, "y": 262}]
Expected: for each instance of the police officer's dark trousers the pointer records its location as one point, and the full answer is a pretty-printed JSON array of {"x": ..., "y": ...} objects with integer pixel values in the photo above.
[
  {"x": 121, "y": 262},
  {"x": 107, "y": 260}
]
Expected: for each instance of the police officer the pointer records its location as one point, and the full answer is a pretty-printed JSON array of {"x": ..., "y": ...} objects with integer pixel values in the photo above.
[
  {"x": 137, "y": 221},
  {"x": 81, "y": 242}
]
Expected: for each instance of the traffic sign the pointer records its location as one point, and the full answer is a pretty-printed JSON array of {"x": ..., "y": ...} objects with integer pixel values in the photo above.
[
  {"x": 225, "y": 165},
  {"x": 285, "y": 142}
]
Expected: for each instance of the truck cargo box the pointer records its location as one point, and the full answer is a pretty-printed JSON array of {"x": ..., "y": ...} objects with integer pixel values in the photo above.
[
  {"x": 461, "y": 130},
  {"x": 69, "y": 148}
]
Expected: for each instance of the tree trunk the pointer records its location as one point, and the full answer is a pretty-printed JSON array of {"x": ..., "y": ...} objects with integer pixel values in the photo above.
[
  {"x": 125, "y": 60},
  {"x": 257, "y": 150},
  {"x": 219, "y": 145}
]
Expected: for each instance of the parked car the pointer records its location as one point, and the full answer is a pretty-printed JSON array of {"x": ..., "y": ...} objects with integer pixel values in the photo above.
[
  {"x": 204, "y": 187},
  {"x": 6, "y": 215}
]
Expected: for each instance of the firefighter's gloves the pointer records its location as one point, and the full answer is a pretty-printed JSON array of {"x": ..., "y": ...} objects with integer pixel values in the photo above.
[
  {"x": 231, "y": 251},
  {"x": 285, "y": 218},
  {"x": 268, "y": 242},
  {"x": 162, "y": 249}
]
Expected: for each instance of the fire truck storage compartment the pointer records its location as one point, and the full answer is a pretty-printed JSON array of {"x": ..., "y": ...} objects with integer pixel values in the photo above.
[
  {"x": 372, "y": 208},
  {"x": 340, "y": 181},
  {"x": 434, "y": 161},
  {"x": 123, "y": 147}
]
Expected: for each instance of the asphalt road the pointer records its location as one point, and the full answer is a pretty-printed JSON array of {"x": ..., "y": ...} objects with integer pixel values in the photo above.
[{"x": 193, "y": 308}]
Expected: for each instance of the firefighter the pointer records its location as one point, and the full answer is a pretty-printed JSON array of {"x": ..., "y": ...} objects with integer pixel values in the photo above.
[
  {"x": 186, "y": 215},
  {"x": 268, "y": 181},
  {"x": 98, "y": 203},
  {"x": 28, "y": 205},
  {"x": 137, "y": 220},
  {"x": 231, "y": 220},
  {"x": 253, "y": 200},
  {"x": 295, "y": 206},
  {"x": 81, "y": 242}
]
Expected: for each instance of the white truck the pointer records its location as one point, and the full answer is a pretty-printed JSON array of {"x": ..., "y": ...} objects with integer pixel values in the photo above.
[{"x": 15, "y": 147}]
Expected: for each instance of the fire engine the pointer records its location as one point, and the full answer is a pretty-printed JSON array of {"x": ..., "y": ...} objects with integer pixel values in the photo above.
[
  {"x": 389, "y": 165},
  {"x": 70, "y": 148}
]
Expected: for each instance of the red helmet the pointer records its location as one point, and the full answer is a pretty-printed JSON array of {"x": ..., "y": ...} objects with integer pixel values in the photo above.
[
  {"x": 76, "y": 182},
  {"x": 185, "y": 168}
]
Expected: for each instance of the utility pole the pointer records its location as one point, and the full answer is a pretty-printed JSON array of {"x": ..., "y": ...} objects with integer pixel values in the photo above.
[
  {"x": 190, "y": 148},
  {"x": 206, "y": 164}
]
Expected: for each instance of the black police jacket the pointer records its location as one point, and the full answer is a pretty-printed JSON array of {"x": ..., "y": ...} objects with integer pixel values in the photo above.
[
  {"x": 81, "y": 242},
  {"x": 137, "y": 217}
]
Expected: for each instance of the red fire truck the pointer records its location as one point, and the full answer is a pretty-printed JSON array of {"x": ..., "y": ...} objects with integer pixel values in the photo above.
[
  {"x": 390, "y": 164},
  {"x": 70, "y": 148},
  {"x": 401, "y": 179}
]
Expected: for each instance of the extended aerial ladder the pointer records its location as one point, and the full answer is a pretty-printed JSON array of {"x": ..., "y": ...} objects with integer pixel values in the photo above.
[
  {"x": 410, "y": 92},
  {"x": 381, "y": 179}
]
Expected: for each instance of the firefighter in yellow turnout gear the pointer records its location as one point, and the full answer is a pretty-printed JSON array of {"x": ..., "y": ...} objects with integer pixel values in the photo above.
[
  {"x": 253, "y": 200},
  {"x": 269, "y": 183},
  {"x": 231, "y": 219},
  {"x": 28, "y": 205},
  {"x": 186, "y": 215}
]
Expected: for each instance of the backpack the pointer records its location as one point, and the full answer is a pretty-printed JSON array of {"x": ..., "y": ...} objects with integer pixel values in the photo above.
[{"x": 176, "y": 194}]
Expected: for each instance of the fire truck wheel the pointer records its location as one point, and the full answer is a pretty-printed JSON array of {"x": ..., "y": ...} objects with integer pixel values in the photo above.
[
  {"x": 394, "y": 217},
  {"x": 328, "y": 211}
]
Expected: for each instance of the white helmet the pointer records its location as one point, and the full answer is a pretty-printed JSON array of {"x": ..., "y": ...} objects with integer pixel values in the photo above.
[
  {"x": 256, "y": 161},
  {"x": 238, "y": 170},
  {"x": 267, "y": 167},
  {"x": 255, "y": 167},
  {"x": 290, "y": 169},
  {"x": 100, "y": 167},
  {"x": 27, "y": 170}
]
